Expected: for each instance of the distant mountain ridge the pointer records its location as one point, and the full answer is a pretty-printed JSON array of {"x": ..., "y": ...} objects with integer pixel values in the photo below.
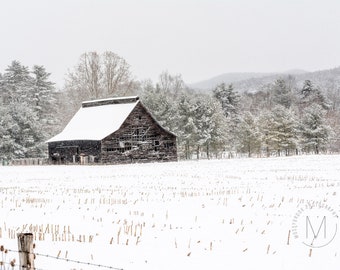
[
  {"x": 252, "y": 82},
  {"x": 226, "y": 78}
]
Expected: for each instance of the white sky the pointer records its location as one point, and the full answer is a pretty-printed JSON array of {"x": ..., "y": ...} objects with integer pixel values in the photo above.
[{"x": 197, "y": 38}]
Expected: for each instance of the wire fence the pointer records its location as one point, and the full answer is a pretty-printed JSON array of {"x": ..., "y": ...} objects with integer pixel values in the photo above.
[{"x": 11, "y": 266}]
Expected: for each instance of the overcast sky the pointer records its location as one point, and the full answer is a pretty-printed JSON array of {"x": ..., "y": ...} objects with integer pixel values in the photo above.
[{"x": 197, "y": 38}]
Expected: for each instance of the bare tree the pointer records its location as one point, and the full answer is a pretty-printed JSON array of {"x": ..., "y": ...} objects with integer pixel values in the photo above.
[
  {"x": 84, "y": 80},
  {"x": 97, "y": 76},
  {"x": 117, "y": 76},
  {"x": 171, "y": 84},
  {"x": 91, "y": 69}
]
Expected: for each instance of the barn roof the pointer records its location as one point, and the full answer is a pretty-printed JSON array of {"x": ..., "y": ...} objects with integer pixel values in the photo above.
[{"x": 97, "y": 119}]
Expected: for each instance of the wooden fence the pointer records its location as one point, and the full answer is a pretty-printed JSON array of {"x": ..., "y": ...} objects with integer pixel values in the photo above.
[{"x": 29, "y": 161}]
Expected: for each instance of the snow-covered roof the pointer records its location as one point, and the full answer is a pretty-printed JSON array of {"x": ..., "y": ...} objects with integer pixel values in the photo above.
[{"x": 97, "y": 119}]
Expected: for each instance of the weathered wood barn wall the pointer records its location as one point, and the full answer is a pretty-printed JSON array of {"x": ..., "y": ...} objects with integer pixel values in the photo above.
[{"x": 111, "y": 131}]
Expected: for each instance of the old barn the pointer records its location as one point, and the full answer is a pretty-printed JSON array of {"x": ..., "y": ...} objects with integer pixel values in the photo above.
[{"x": 114, "y": 130}]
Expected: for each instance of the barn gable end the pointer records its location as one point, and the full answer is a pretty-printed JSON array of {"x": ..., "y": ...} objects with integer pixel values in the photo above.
[
  {"x": 140, "y": 138},
  {"x": 109, "y": 131}
]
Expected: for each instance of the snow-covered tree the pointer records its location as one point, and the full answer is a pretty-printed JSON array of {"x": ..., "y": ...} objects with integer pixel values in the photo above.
[
  {"x": 282, "y": 93},
  {"x": 249, "y": 136},
  {"x": 310, "y": 94},
  {"x": 8, "y": 146},
  {"x": 187, "y": 130},
  {"x": 230, "y": 103},
  {"x": 161, "y": 105},
  {"x": 196, "y": 119},
  {"x": 255, "y": 102},
  {"x": 45, "y": 105},
  {"x": 279, "y": 130},
  {"x": 315, "y": 133},
  {"x": 16, "y": 83},
  {"x": 228, "y": 98},
  {"x": 44, "y": 95},
  {"x": 25, "y": 111},
  {"x": 210, "y": 123}
]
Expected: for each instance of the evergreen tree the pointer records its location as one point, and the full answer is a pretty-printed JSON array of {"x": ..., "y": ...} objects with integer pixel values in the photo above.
[
  {"x": 43, "y": 94},
  {"x": 307, "y": 89},
  {"x": 230, "y": 103},
  {"x": 45, "y": 101},
  {"x": 249, "y": 136},
  {"x": 27, "y": 133},
  {"x": 315, "y": 133},
  {"x": 282, "y": 94},
  {"x": 8, "y": 146},
  {"x": 228, "y": 98},
  {"x": 311, "y": 94},
  {"x": 210, "y": 123},
  {"x": 285, "y": 129},
  {"x": 26, "y": 120},
  {"x": 162, "y": 106},
  {"x": 279, "y": 130},
  {"x": 16, "y": 84},
  {"x": 267, "y": 135},
  {"x": 219, "y": 130},
  {"x": 187, "y": 130}
]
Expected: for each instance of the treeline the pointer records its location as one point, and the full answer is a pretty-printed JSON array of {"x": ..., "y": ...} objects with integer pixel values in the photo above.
[{"x": 282, "y": 118}]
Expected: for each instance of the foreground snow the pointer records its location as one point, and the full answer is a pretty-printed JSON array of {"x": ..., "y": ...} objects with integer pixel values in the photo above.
[{"x": 221, "y": 214}]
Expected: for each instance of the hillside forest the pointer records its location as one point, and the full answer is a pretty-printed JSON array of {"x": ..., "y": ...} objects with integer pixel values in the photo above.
[{"x": 284, "y": 114}]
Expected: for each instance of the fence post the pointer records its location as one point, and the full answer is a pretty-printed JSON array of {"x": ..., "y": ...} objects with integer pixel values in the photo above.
[{"x": 25, "y": 248}]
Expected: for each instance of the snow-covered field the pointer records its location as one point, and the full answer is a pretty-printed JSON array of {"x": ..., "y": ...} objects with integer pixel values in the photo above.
[{"x": 219, "y": 214}]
